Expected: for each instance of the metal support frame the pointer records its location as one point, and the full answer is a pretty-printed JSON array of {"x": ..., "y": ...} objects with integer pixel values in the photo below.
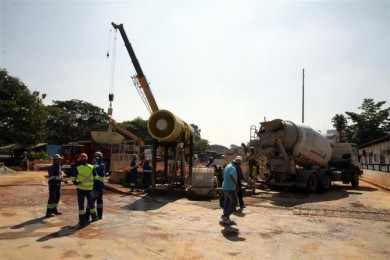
[{"x": 184, "y": 157}]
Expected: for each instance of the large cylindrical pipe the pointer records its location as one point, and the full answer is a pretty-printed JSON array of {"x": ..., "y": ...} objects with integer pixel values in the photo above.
[{"x": 166, "y": 127}]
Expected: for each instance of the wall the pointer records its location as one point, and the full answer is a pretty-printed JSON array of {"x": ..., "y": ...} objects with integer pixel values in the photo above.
[{"x": 376, "y": 153}]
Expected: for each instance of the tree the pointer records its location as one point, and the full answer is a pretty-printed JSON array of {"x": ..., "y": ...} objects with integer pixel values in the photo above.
[
  {"x": 139, "y": 127},
  {"x": 22, "y": 114},
  {"x": 369, "y": 124},
  {"x": 73, "y": 120},
  {"x": 340, "y": 123},
  {"x": 200, "y": 145}
]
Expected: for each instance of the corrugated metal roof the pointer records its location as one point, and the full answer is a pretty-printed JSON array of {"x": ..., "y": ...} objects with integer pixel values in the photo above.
[{"x": 376, "y": 141}]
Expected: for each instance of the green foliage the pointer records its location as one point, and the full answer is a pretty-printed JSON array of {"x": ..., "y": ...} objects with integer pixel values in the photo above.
[
  {"x": 73, "y": 120},
  {"x": 40, "y": 155},
  {"x": 370, "y": 123},
  {"x": 138, "y": 126},
  {"x": 340, "y": 123},
  {"x": 200, "y": 145},
  {"x": 24, "y": 119},
  {"x": 22, "y": 114}
]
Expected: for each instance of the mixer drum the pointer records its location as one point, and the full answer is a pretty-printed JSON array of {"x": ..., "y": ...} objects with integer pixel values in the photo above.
[
  {"x": 307, "y": 146},
  {"x": 312, "y": 148}
]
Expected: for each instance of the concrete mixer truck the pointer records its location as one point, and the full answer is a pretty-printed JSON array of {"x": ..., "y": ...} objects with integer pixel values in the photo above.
[{"x": 298, "y": 156}]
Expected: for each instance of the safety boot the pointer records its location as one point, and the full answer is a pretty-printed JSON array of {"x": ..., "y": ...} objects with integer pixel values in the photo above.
[
  {"x": 49, "y": 213},
  {"x": 82, "y": 220},
  {"x": 100, "y": 213},
  {"x": 94, "y": 217},
  {"x": 87, "y": 216},
  {"x": 56, "y": 212}
]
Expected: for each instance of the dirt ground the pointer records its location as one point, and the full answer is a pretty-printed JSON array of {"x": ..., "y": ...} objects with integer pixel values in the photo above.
[{"x": 343, "y": 223}]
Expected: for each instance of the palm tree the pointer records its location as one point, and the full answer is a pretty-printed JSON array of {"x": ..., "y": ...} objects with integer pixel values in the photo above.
[{"x": 340, "y": 123}]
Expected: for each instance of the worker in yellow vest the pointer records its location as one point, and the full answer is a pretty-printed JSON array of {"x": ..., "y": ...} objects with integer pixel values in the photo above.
[{"x": 84, "y": 181}]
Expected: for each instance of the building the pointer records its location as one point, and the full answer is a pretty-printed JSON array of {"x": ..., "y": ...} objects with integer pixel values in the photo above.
[{"x": 376, "y": 154}]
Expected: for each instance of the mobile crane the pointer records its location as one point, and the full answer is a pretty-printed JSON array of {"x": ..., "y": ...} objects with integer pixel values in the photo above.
[{"x": 170, "y": 133}]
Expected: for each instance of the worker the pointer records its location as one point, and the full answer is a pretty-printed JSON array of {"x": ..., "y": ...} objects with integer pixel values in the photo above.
[
  {"x": 133, "y": 173},
  {"x": 210, "y": 161},
  {"x": 229, "y": 187},
  {"x": 99, "y": 172},
  {"x": 240, "y": 194},
  {"x": 54, "y": 182},
  {"x": 84, "y": 181},
  {"x": 147, "y": 175}
]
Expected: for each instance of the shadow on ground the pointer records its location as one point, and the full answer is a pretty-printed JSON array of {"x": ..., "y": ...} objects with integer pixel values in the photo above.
[
  {"x": 63, "y": 232},
  {"x": 40, "y": 220},
  {"x": 360, "y": 188},
  {"x": 239, "y": 213},
  {"x": 27, "y": 229},
  {"x": 232, "y": 234},
  {"x": 152, "y": 202},
  {"x": 291, "y": 199}
]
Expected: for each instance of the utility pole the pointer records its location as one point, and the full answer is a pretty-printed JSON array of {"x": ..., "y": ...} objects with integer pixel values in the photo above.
[{"x": 303, "y": 95}]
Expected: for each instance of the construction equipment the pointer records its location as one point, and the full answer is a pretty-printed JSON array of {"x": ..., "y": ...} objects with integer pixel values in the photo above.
[
  {"x": 139, "y": 79},
  {"x": 301, "y": 157},
  {"x": 124, "y": 132},
  {"x": 116, "y": 134},
  {"x": 166, "y": 127},
  {"x": 173, "y": 137}
]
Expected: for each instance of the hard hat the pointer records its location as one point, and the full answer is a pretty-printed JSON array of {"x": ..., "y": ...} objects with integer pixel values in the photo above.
[
  {"x": 238, "y": 158},
  {"x": 84, "y": 155},
  {"x": 57, "y": 157},
  {"x": 99, "y": 154}
]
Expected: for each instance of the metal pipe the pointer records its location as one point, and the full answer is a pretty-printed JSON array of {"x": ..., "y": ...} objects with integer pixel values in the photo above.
[{"x": 303, "y": 95}]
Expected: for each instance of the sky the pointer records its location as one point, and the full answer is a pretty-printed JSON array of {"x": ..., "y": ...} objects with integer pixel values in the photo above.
[{"x": 221, "y": 64}]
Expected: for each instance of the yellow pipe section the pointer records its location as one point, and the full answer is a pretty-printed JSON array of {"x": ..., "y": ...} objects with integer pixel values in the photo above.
[{"x": 167, "y": 127}]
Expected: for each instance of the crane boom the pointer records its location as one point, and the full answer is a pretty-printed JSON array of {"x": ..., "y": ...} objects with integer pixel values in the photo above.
[
  {"x": 143, "y": 83},
  {"x": 123, "y": 131}
]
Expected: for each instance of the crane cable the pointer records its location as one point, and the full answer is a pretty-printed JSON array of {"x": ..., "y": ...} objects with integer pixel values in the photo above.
[
  {"x": 113, "y": 63},
  {"x": 112, "y": 74},
  {"x": 111, "y": 46}
]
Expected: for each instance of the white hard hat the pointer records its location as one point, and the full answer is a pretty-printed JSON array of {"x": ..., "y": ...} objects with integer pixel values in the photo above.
[
  {"x": 99, "y": 154},
  {"x": 238, "y": 158},
  {"x": 57, "y": 157}
]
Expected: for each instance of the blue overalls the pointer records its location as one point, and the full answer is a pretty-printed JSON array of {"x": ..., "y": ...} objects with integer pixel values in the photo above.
[
  {"x": 54, "y": 183},
  {"x": 99, "y": 172}
]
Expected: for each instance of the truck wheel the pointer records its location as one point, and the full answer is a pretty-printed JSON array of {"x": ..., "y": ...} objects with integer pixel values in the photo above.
[
  {"x": 312, "y": 183},
  {"x": 325, "y": 183},
  {"x": 355, "y": 181}
]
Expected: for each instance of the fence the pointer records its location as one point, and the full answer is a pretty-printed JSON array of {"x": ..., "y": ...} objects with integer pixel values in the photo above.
[{"x": 382, "y": 167}]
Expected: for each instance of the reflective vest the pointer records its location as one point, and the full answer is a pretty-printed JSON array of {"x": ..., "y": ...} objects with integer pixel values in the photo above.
[
  {"x": 85, "y": 177},
  {"x": 99, "y": 178}
]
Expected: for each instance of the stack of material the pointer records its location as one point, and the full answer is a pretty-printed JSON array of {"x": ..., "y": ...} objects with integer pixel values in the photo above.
[
  {"x": 203, "y": 181},
  {"x": 41, "y": 165},
  {"x": 5, "y": 170}
]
